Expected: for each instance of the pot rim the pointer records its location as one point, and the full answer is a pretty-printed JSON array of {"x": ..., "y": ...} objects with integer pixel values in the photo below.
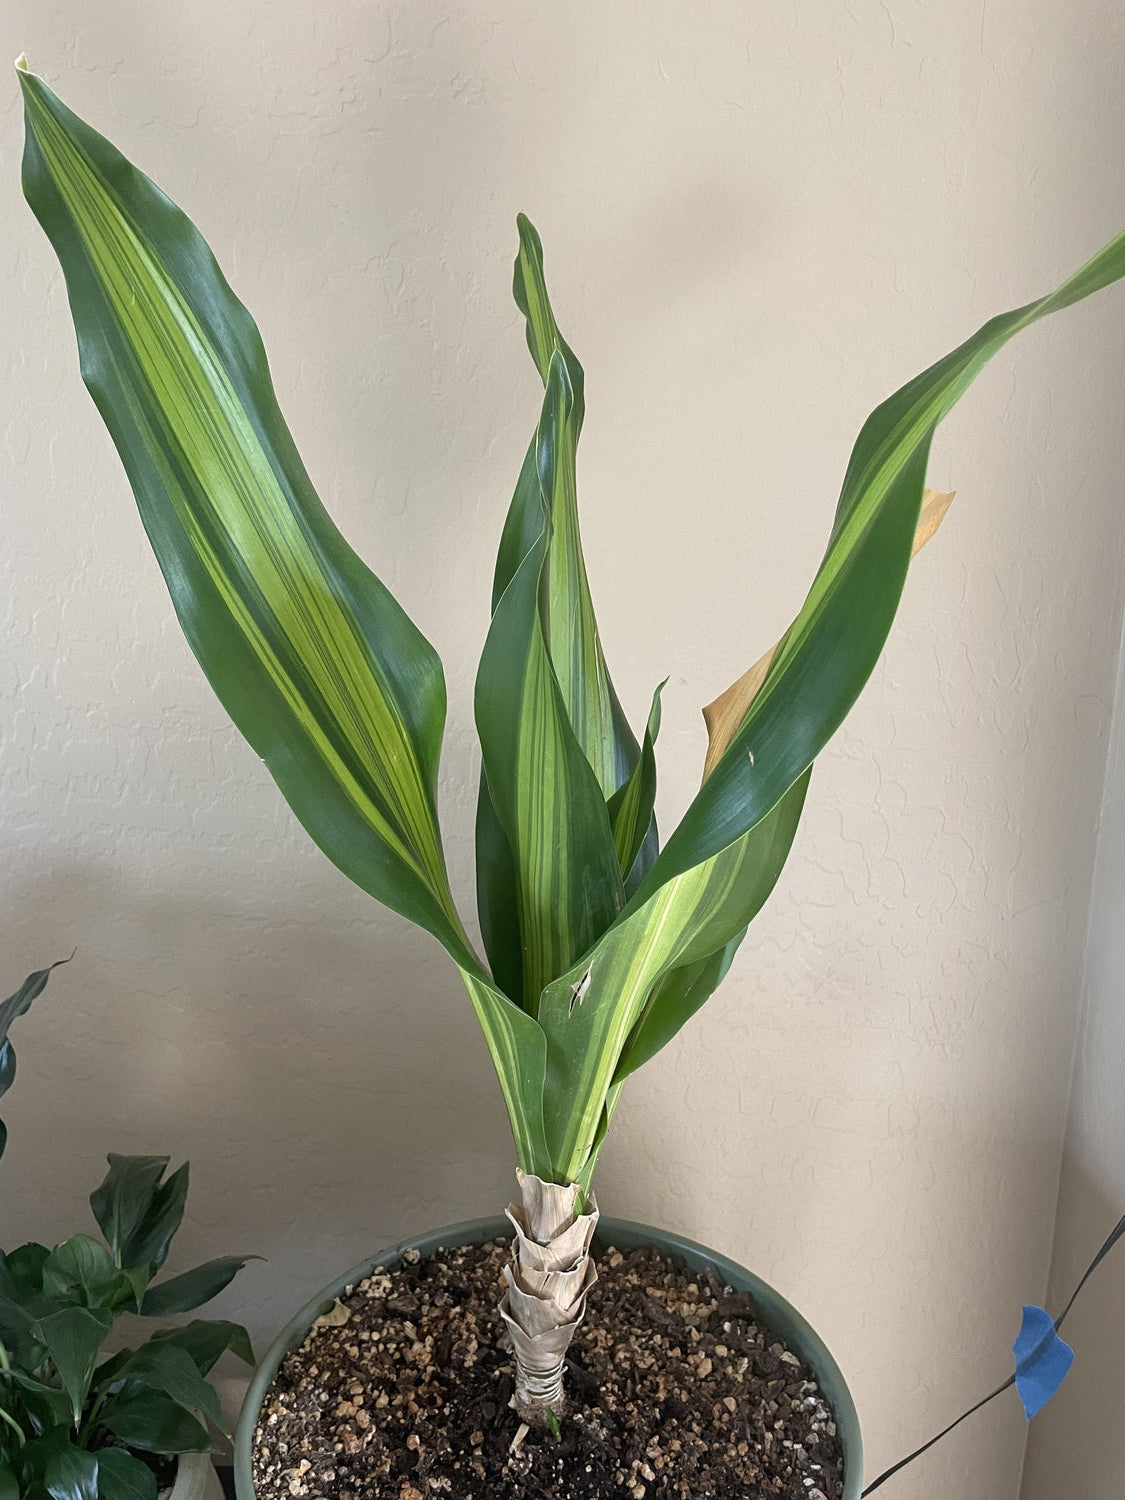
[{"x": 777, "y": 1314}]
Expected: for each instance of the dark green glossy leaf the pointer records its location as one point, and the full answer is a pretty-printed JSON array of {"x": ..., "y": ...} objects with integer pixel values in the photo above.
[
  {"x": 152, "y": 1422},
  {"x": 166, "y": 1367},
  {"x": 122, "y": 1200},
  {"x": 16, "y": 1322},
  {"x": 21, "y": 1270},
  {"x": 192, "y": 1288},
  {"x": 497, "y": 890},
  {"x": 206, "y": 1339},
  {"x": 573, "y": 639},
  {"x": 73, "y": 1338},
  {"x": 21, "y": 1301},
  {"x": 81, "y": 1270},
  {"x": 42, "y": 1407},
  {"x": 9, "y": 1488},
  {"x": 17, "y": 1005},
  {"x": 593, "y": 1013},
  {"x": 20, "y": 1003},
  {"x": 546, "y": 796},
  {"x": 71, "y": 1474},
  {"x": 315, "y": 661},
  {"x": 33, "y": 1458},
  {"x": 672, "y": 1002},
  {"x": 147, "y": 1245},
  {"x": 497, "y": 897},
  {"x": 123, "y": 1477},
  {"x": 21, "y": 1277},
  {"x": 630, "y": 807},
  {"x": 32, "y": 1384},
  {"x": 138, "y": 1278},
  {"x": 109, "y": 1371},
  {"x": 547, "y": 488},
  {"x": 827, "y": 654}
]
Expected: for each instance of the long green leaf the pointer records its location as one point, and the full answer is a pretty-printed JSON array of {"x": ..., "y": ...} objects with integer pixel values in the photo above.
[
  {"x": 205, "y": 1339},
  {"x": 497, "y": 885},
  {"x": 630, "y": 807},
  {"x": 572, "y": 634},
  {"x": 18, "y": 1005},
  {"x": 312, "y": 657},
  {"x": 122, "y": 1199},
  {"x": 21, "y": 1270},
  {"x": 543, "y": 789},
  {"x": 165, "y": 1367},
  {"x": 673, "y": 1000},
  {"x": 569, "y": 627},
  {"x": 192, "y": 1288},
  {"x": 82, "y": 1271},
  {"x": 123, "y": 1477},
  {"x": 595, "y": 1016},
  {"x": 828, "y": 653},
  {"x": 72, "y": 1338},
  {"x": 147, "y": 1246},
  {"x": 71, "y": 1473},
  {"x": 315, "y": 661},
  {"x": 151, "y": 1422},
  {"x": 618, "y": 1004},
  {"x": 519, "y": 1054}
]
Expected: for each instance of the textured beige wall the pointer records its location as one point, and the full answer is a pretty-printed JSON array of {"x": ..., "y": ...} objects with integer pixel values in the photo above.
[
  {"x": 1077, "y": 1447},
  {"x": 758, "y": 220}
]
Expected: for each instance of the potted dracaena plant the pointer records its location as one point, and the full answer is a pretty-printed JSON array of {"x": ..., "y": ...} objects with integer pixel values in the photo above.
[
  {"x": 599, "y": 945},
  {"x": 76, "y": 1422}
]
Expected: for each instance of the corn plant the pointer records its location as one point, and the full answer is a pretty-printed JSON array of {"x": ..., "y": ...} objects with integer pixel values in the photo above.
[{"x": 598, "y": 944}]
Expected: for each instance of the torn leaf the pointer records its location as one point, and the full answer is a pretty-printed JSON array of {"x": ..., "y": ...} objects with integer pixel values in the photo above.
[{"x": 578, "y": 993}]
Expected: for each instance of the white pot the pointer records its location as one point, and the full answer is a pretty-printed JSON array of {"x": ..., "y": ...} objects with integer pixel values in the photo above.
[{"x": 195, "y": 1479}]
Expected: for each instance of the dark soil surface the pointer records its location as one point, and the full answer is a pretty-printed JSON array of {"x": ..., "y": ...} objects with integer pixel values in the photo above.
[
  {"x": 674, "y": 1391},
  {"x": 163, "y": 1465}
]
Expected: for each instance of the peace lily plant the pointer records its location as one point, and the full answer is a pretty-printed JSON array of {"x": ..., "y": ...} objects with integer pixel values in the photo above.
[{"x": 598, "y": 943}]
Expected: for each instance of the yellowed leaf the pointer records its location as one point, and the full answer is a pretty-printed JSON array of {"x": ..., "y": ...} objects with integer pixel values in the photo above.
[
  {"x": 727, "y": 711},
  {"x": 935, "y": 503}
]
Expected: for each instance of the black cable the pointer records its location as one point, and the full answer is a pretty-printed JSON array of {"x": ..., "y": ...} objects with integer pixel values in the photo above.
[{"x": 1114, "y": 1236}]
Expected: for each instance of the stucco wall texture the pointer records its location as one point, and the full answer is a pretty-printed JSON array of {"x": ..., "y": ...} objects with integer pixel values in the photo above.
[{"x": 758, "y": 220}]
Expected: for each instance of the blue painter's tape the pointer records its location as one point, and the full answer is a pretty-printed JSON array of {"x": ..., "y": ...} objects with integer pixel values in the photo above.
[{"x": 1042, "y": 1360}]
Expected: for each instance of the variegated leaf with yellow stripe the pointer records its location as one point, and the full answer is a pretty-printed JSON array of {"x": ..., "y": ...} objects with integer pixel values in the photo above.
[
  {"x": 573, "y": 639},
  {"x": 620, "y": 1001},
  {"x": 313, "y": 658},
  {"x": 549, "y": 805},
  {"x": 825, "y": 657}
]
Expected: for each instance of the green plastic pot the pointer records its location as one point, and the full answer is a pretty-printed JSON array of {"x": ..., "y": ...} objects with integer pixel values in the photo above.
[{"x": 774, "y": 1311}]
